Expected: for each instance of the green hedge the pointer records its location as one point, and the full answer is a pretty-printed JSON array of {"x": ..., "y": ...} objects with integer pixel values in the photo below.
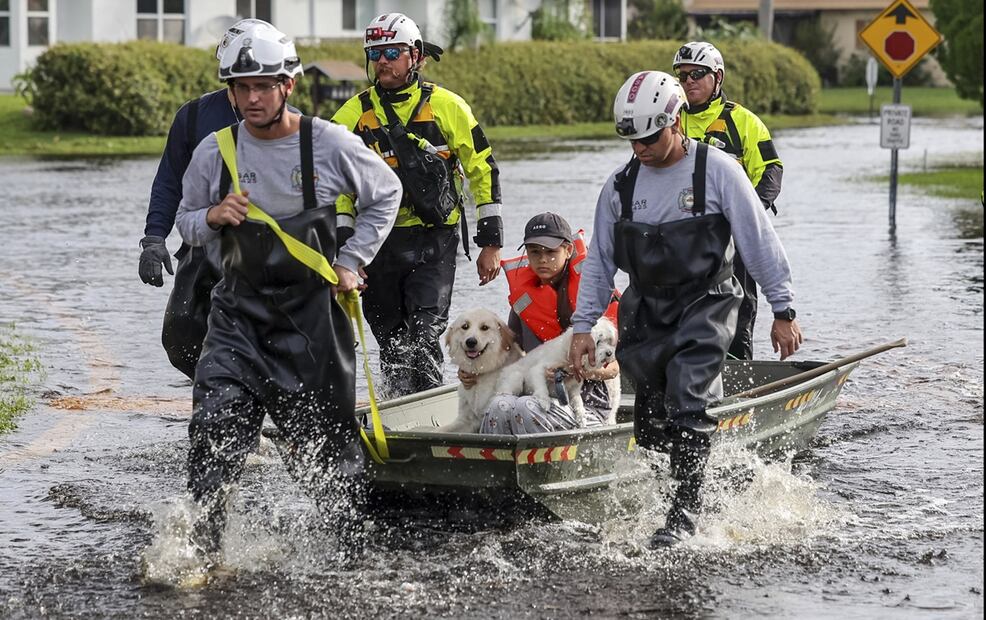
[
  {"x": 543, "y": 82},
  {"x": 134, "y": 88},
  {"x": 131, "y": 88}
]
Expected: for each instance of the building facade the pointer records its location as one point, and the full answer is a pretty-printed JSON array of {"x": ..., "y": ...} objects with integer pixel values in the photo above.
[{"x": 28, "y": 27}]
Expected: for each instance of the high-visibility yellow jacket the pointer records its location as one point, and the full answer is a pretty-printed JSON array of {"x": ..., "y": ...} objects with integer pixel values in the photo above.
[
  {"x": 446, "y": 121},
  {"x": 734, "y": 129}
]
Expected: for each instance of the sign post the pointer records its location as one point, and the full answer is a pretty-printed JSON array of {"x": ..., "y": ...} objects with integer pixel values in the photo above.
[
  {"x": 895, "y": 134},
  {"x": 872, "y": 75},
  {"x": 899, "y": 37}
]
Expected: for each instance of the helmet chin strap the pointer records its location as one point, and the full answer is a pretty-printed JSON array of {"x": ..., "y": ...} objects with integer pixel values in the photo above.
[
  {"x": 412, "y": 72},
  {"x": 236, "y": 112},
  {"x": 232, "y": 101}
]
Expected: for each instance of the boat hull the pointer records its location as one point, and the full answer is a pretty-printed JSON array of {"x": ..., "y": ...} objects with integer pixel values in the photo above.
[{"x": 576, "y": 474}]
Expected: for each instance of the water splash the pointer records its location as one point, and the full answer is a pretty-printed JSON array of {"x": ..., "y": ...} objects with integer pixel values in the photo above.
[
  {"x": 171, "y": 558},
  {"x": 765, "y": 504},
  {"x": 748, "y": 502}
]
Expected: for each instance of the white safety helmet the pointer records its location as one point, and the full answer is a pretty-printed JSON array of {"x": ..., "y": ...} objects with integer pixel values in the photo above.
[
  {"x": 647, "y": 102},
  {"x": 233, "y": 31},
  {"x": 260, "y": 50},
  {"x": 392, "y": 28},
  {"x": 700, "y": 53}
]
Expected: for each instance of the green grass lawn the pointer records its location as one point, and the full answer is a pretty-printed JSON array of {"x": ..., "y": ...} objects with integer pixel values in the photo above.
[
  {"x": 952, "y": 182},
  {"x": 925, "y": 101},
  {"x": 18, "y": 137},
  {"x": 18, "y": 368}
]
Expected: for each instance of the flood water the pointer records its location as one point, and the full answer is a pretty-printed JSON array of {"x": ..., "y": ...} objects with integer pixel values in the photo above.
[{"x": 882, "y": 518}]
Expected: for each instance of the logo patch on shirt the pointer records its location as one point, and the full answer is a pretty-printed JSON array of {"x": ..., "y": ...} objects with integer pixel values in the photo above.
[
  {"x": 296, "y": 178},
  {"x": 686, "y": 200},
  {"x": 248, "y": 177},
  {"x": 640, "y": 205}
]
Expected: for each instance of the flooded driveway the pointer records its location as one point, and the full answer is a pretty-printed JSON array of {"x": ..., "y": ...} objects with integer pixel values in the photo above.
[{"x": 884, "y": 517}]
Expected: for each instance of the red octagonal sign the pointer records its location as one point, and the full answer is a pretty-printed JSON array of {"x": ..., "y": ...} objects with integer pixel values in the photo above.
[{"x": 899, "y": 46}]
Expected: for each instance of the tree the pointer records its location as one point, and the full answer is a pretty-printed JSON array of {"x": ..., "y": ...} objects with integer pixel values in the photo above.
[
  {"x": 720, "y": 29},
  {"x": 817, "y": 44},
  {"x": 657, "y": 20},
  {"x": 559, "y": 20},
  {"x": 961, "y": 55},
  {"x": 464, "y": 24}
]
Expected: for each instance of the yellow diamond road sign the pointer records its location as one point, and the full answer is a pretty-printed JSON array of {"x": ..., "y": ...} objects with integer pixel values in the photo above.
[{"x": 900, "y": 37}]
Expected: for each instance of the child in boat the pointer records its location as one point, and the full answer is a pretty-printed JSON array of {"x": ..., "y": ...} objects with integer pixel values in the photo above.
[{"x": 544, "y": 282}]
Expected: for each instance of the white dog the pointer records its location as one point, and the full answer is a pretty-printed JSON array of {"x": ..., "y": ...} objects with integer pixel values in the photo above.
[
  {"x": 527, "y": 375},
  {"x": 481, "y": 344}
]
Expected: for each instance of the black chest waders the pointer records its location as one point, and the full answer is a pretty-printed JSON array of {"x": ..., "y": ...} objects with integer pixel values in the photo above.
[
  {"x": 186, "y": 315},
  {"x": 676, "y": 320},
  {"x": 278, "y": 344}
]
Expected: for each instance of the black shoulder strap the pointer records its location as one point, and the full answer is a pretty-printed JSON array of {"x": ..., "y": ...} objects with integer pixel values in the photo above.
[
  {"x": 225, "y": 179},
  {"x": 192, "y": 124},
  {"x": 365, "y": 101},
  {"x": 698, "y": 178},
  {"x": 426, "y": 91},
  {"x": 624, "y": 184},
  {"x": 393, "y": 119},
  {"x": 727, "y": 117},
  {"x": 307, "y": 163},
  {"x": 361, "y": 130}
]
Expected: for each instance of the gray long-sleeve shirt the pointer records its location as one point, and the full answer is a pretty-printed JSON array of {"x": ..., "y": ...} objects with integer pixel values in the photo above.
[
  {"x": 271, "y": 171},
  {"x": 664, "y": 195}
]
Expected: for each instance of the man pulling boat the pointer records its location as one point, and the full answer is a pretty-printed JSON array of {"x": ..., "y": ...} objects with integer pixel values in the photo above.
[
  {"x": 279, "y": 343},
  {"x": 673, "y": 219}
]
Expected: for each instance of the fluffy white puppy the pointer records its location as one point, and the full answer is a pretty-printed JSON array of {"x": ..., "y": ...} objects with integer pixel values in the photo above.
[
  {"x": 481, "y": 344},
  {"x": 527, "y": 375}
]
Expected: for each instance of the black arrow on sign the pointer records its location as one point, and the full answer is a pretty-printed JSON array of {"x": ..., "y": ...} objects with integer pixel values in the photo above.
[{"x": 901, "y": 12}]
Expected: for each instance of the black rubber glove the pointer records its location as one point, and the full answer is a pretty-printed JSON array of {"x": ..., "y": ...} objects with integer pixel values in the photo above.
[{"x": 154, "y": 255}]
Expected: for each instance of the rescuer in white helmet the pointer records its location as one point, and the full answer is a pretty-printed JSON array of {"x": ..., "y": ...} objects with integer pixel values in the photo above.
[
  {"x": 429, "y": 136},
  {"x": 279, "y": 343},
  {"x": 673, "y": 218}
]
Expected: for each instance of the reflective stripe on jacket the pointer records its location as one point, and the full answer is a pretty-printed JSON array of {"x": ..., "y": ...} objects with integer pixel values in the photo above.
[
  {"x": 537, "y": 304},
  {"x": 447, "y": 122},
  {"x": 732, "y": 128}
]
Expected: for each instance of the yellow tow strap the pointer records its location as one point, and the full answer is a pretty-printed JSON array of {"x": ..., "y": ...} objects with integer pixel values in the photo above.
[{"x": 316, "y": 261}]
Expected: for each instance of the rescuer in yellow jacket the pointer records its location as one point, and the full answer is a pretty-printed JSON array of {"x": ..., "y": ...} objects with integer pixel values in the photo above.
[
  {"x": 429, "y": 136},
  {"x": 727, "y": 125}
]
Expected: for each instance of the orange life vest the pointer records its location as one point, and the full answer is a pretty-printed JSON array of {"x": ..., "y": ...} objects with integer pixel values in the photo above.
[{"x": 537, "y": 304}]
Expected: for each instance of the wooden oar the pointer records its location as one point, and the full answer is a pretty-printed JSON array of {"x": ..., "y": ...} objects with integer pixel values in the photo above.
[{"x": 821, "y": 370}]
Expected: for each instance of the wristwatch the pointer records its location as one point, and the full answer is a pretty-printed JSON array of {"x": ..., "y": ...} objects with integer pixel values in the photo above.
[{"x": 785, "y": 315}]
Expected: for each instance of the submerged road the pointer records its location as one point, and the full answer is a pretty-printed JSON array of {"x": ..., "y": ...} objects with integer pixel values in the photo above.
[{"x": 883, "y": 517}]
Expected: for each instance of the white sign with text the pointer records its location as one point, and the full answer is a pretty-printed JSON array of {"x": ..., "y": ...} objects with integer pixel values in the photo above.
[{"x": 895, "y": 126}]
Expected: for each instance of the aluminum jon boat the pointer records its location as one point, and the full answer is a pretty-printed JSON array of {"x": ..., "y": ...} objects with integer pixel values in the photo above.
[{"x": 772, "y": 408}]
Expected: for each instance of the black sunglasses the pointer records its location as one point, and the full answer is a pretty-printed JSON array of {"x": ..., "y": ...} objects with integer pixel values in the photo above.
[
  {"x": 695, "y": 74},
  {"x": 651, "y": 139},
  {"x": 390, "y": 53}
]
